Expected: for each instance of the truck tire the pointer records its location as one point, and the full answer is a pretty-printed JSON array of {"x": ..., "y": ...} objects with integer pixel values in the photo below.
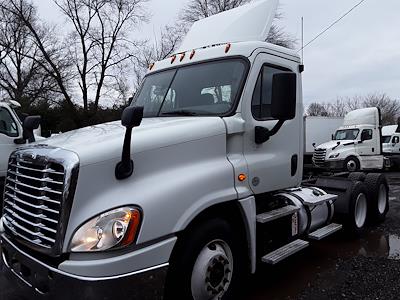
[
  {"x": 378, "y": 190},
  {"x": 357, "y": 176},
  {"x": 351, "y": 164},
  {"x": 356, "y": 218},
  {"x": 208, "y": 264}
]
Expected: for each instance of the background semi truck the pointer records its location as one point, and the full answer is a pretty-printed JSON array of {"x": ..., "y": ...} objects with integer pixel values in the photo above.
[
  {"x": 200, "y": 183},
  {"x": 12, "y": 134},
  {"x": 391, "y": 144},
  {"x": 356, "y": 145}
]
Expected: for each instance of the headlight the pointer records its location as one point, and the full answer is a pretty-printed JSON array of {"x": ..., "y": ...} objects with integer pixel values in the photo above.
[
  {"x": 114, "y": 229},
  {"x": 336, "y": 155}
]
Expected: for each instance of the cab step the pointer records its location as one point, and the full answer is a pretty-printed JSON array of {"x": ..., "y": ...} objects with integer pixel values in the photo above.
[
  {"x": 325, "y": 231},
  {"x": 277, "y": 213},
  {"x": 280, "y": 254},
  {"x": 315, "y": 201}
]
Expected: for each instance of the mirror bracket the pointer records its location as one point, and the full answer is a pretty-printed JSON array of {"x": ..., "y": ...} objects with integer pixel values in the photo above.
[
  {"x": 131, "y": 117},
  {"x": 263, "y": 134}
]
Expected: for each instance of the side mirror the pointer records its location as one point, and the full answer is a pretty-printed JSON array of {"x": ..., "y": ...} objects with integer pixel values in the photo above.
[
  {"x": 283, "y": 104},
  {"x": 283, "y": 101},
  {"x": 333, "y": 137},
  {"x": 131, "y": 117},
  {"x": 30, "y": 124}
]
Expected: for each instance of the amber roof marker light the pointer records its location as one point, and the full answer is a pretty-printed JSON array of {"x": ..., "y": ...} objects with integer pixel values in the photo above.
[
  {"x": 173, "y": 58},
  {"x": 192, "y": 54},
  {"x": 182, "y": 56},
  {"x": 228, "y": 47}
]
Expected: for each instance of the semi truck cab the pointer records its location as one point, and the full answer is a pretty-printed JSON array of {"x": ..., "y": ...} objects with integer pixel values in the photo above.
[
  {"x": 356, "y": 145},
  {"x": 199, "y": 183}
]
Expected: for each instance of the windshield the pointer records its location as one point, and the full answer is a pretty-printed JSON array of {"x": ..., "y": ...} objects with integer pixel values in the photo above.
[
  {"x": 346, "y": 134},
  {"x": 210, "y": 88},
  {"x": 386, "y": 139}
]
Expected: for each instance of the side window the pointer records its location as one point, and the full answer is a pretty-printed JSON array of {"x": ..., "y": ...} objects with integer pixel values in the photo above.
[
  {"x": 7, "y": 123},
  {"x": 366, "y": 134},
  {"x": 261, "y": 102},
  {"x": 395, "y": 140}
]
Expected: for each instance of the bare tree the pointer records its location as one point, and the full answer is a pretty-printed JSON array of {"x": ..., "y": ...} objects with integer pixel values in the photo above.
[
  {"x": 51, "y": 55},
  {"x": 390, "y": 108},
  {"x": 316, "y": 109},
  {"x": 100, "y": 45},
  {"x": 21, "y": 76}
]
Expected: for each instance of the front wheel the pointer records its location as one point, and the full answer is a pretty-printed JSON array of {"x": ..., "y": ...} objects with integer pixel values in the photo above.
[
  {"x": 351, "y": 164},
  {"x": 207, "y": 263}
]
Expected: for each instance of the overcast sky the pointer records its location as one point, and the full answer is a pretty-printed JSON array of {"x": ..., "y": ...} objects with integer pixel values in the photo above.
[{"x": 360, "y": 55}]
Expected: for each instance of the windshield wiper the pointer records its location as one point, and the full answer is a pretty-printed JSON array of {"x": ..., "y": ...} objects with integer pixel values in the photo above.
[{"x": 180, "y": 113}]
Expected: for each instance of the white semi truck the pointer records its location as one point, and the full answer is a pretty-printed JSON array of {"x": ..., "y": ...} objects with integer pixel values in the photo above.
[
  {"x": 208, "y": 186},
  {"x": 391, "y": 144},
  {"x": 356, "y": 145},
  {"x": 12, "y": 134}
]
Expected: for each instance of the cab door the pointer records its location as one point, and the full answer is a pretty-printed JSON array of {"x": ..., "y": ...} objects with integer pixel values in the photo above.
[
  {"x": 276, "y": 163},
  {"x": 10, "y": 129},
  {"x": 368, "y": 143}
]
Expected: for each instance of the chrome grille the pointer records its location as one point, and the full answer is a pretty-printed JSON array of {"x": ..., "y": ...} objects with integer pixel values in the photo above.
[
  {"x": 36, "y": 193},
  {"x": 319, "y": 157}
]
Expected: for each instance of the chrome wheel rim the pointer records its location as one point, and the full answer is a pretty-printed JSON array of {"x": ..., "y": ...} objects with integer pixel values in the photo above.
[
  {"x": 360, "y": 213},
  {"x": 351, "y": 166},
  {"x": 382, "y": 199},
  {"x": 212, "y": 271}
]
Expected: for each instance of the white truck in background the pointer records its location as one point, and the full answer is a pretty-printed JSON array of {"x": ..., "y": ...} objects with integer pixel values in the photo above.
[
  {"x": 356, "y": 145},
  {"x": 12, "y": 134},
  {"x": 208, "y": 186},
  {"x": 318, "y": 130},
  {"x": 391, "y": 144}
]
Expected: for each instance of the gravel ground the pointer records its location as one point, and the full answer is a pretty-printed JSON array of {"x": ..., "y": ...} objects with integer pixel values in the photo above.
[
  {"x": 373, "y": 273},
  {"x": 336, "y": 268}
]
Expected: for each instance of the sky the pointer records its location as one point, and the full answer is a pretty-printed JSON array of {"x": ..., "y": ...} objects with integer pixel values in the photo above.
[{"x": 359, "y": 56}]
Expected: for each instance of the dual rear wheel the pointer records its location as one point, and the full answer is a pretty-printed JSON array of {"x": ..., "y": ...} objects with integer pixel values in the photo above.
[{"x": 369, "y": 201}]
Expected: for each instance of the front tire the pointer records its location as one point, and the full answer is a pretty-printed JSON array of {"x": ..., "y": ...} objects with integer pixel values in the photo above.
[
  {"x": 207, "y": 263},
  {"x": 352, "y": 164}
]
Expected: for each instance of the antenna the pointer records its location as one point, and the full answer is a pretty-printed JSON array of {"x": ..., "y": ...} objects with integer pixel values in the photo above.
[
  {"x": 301, "y": 67},
  {"x": 302, "y": 40}
]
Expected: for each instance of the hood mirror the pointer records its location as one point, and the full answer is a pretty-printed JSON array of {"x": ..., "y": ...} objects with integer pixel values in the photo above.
[{"x": 131, "y": 117}]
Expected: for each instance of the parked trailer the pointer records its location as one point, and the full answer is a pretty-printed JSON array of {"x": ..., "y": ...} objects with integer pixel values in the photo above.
[
  {"x": 318, "y": 130},
  {"x": 208, "y": 185}
]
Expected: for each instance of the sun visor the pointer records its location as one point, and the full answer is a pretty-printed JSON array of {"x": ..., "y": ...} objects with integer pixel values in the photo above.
[{"x": 249, "y": 22}]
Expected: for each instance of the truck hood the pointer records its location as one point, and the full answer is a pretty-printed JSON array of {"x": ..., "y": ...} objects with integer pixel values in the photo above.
[
  {"x": 333, "y": 144},
  {"x": 104, "y": 142}
]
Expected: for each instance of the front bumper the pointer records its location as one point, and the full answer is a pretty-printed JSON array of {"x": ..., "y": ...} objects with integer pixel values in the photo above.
[
  {"x": 331, "y": 165},
  {"x": 44, "y": 279}
]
